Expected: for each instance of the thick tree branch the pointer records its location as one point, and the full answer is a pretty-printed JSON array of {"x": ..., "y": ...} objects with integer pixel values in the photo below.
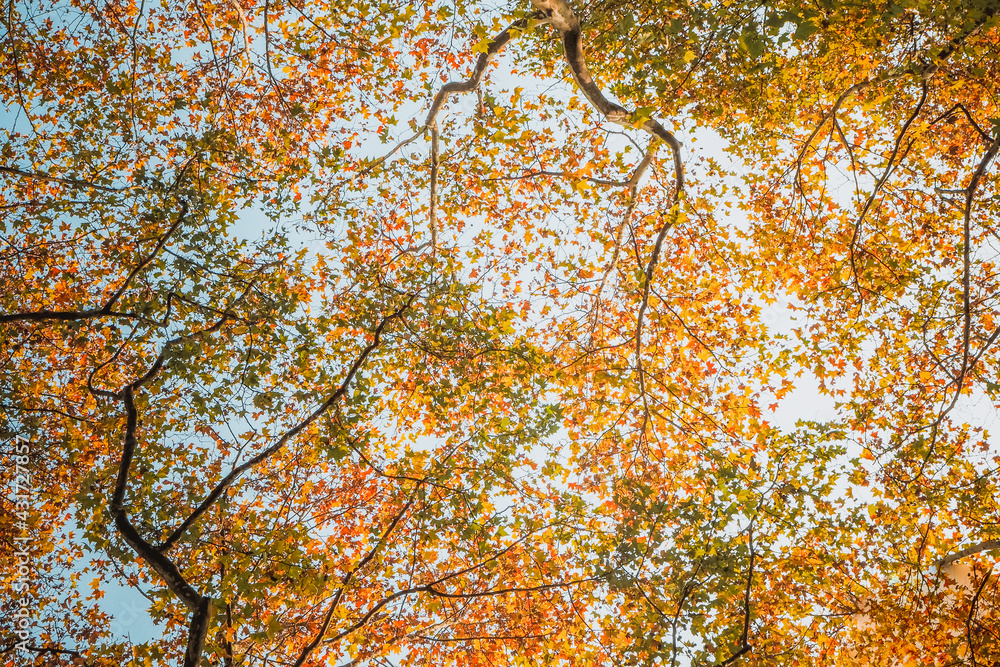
[
  {"x": 986, "y": 545},
  {"x": 199, "y": 605},
  {"x": 564, "y": 20},
  {"x": 478, "y": 71},
  {"x": 63, "y": 315}
]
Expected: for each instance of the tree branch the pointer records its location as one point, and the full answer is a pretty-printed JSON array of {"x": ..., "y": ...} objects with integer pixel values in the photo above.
[
  {"x": 633, "y": 195},
  {"x": 986, "y": 545},
  {"x": 925, "y": 73},
  {"x": 75, "y": 182},
  {"x": 199, "y": 605},
  {"x": 970, "y": 619},
  {"x": 983, "y": 134},
  {"x": 318, "y": 639},
  {"x": 745, "y": 646},
  {"x": 238, "y": 471},
  {"x": 78, "y": 658},
  {"x": 435, "y": 157},
  {"x": 967, "y": 362},
  {"x": 889, "y": 168},
  {"x": 454, "y": 87},
  {"x": 564, "y": 20},
  {"x": 429, "y": 588},
  {"x": 107, "y": 309},
  {"x": 970, "y": 195}
]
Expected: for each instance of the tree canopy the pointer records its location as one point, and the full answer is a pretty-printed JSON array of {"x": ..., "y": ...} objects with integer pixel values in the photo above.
[{"x": 432, "y": 333}]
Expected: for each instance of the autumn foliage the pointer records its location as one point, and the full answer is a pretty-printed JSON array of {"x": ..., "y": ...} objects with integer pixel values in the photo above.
[{"x": 543, "y": 333}]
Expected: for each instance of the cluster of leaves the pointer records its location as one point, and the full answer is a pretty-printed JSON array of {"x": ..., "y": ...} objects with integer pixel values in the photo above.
[{"x": 409, "y": 334}]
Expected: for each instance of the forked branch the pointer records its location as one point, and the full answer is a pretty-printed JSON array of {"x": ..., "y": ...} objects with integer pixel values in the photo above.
[
  {"x": 968, "y": 360},
  {"x": 199, "y": 605},
  {"x": 889, "y": 169},
  {"x": 924, "y": 73},
  {"x": 453, "y": 87},
  {"x": 564, "y": 20},
  {"x": 633, "y": 195},
  {"x": 346, "y": 581}
]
